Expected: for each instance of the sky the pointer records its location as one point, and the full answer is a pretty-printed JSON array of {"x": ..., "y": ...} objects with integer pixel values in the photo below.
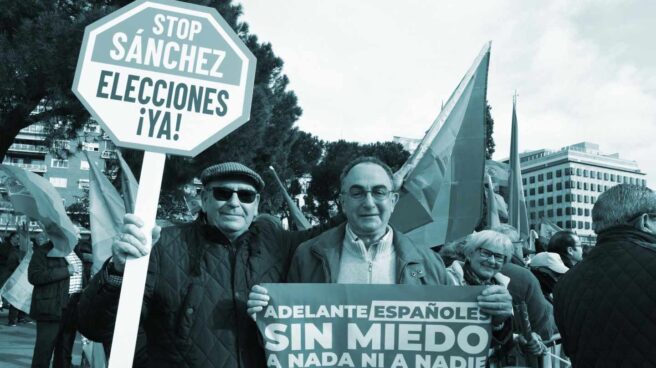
[{"x": 369, "y": 70}]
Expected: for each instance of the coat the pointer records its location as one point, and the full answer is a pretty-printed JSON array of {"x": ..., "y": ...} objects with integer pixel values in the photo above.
[
  {"x": 50, "y": 278},
  {"x": 605, "y": 307},
  {"x": 317, "y": 260},
  {"x": 194, "y": 307},
  {"x": 9, "y": 261}
]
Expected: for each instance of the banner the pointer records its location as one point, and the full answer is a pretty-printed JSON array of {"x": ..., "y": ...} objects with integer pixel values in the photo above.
[{"x": 383, "y": 326}]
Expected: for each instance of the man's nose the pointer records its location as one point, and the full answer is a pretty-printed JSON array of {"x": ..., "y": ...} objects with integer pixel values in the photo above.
[
  {"x": 234, "y": 200},
  {"x": 369, "y": 199}
]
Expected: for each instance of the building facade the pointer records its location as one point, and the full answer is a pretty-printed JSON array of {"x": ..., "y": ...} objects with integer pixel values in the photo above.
[
  {"x": 563, "y": 185},
  {"x": 64, "y": 163}
]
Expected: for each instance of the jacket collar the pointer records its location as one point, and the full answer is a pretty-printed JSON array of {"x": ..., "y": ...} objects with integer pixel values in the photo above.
[
  {"x": 626, "y": 233},
  {"x": 328, "y": 246}
]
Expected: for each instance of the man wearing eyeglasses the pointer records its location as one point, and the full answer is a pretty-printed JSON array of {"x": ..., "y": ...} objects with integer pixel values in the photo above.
[
  {"x": 604, "y": 307},
  {"x": 199, "y": 276},
  {"x": 366, "y": 250}
]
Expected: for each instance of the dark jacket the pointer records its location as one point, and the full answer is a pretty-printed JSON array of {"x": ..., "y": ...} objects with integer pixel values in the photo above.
[
  {"x": 50, "y": 278},
  {"x": 9, "y": 261},
  {"x": 194, "y": 307},
  {"x": 524, "y": 287},
  {"x": 317, "y": 261},
  {"x": 605, "y": 307}
]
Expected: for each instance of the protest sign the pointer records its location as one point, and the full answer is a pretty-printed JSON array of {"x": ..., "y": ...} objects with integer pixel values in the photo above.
[
  {"x": 391, "y": 326},
  {"x": 169, "y": 78}
]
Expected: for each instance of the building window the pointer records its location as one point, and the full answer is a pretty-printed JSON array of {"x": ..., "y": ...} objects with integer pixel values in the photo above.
[
  {"x": 578, "y": 185},
  {"x": 586, "y": 199},
  {"x": 525, "y": 193},
  {"x": 580, "y": 224},
  {"x": 644, "y": 182},
  {"x": 586, "y": 212},
  {"x": 61, "y": 144},
  {"x": 585, "y": 186},
  {"x": 568, "y": 184},
  {"x": 579, "y": 211},
  {"x": 568, "y": 210},
  {"x": 559, "y": 173},
  {"x": 626, "y": 180},
  {"x": 568, "y": 224},
  {"x": 593, "y": 187},
  {"x": 549, "y": 200},
  {"x": 612, "y": 177},
  {"x": 579, "y": 198},
  {"x": 600, "y": 188},
  {"x": 559, "y": 199},
  {"x": 532, "y": 203},
  {"x": 560, "y": 224},
  {"x": 573, "y": 224},
  {"x": 523, "y": 181},
  {"x": 549, "y": 213},
  {"x": 532, "y": 191},
  {"x": 585, "y": 173},
  {"x": 91, "y": 146},
  {"x": 593, "y": 199},
  {"x": 592, "y": 174},
  {"x": 549, "y": 188},
  {"x": 559, "y": 212},
  {"x": 60, "y": 164},
  {"x": 541, "y": 202},
  {"x": 632, "y": 181},
  {"x": 532, "y": 215},
  {"x": 605, "y": 176},
  {"x": 83, "y": 184},
  {"x": 540, "y": 189},
  {"x": 579, "y": 172},
  {"x": 58, "y": 182},
  {"x": 549, "y": 175},
  {"x": 84, "y": 165},
  {"x": 568, "y": 197},
  {"x": 605, "y": 188},
  {"x": 531, "y": 179},
  {"x": 540, "y": 177},
  {"x": 587, "y": 225},
  {"x": 559, "y": 186},
  {"x": 567, "y": 171}
]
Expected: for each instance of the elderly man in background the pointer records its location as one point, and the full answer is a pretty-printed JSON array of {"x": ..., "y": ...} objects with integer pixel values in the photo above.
[
  {"x": 366, "y": 250},
  {"x": 605, "y": 307},
  {"x": 199, "y": 276}
]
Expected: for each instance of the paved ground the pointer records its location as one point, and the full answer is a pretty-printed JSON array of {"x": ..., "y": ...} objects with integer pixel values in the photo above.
[{"x": 17, "y": 344}]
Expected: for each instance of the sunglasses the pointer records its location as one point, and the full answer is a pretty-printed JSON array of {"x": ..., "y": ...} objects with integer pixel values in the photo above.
[{"x": 224, "y": 194}]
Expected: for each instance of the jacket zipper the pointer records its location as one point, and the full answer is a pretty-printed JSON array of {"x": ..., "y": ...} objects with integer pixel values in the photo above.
[{"x": 371, "y": 268}]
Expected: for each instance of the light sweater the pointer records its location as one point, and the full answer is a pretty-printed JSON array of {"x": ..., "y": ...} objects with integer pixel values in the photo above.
[{"x": 375, "y": 265}]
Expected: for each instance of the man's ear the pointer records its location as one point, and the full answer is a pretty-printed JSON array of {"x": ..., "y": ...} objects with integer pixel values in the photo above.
[{"x": 643, "y": 224}]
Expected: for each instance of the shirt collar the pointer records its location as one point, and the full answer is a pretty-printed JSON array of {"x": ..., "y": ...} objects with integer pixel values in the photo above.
[{"x": 381, "y": 247}]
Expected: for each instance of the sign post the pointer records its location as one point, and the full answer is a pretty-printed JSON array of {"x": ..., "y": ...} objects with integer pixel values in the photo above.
[{"x": 166, "y": 77}]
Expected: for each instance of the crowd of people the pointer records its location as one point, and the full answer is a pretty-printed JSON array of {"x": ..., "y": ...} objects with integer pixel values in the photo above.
[{"x": 205, "y": 278}]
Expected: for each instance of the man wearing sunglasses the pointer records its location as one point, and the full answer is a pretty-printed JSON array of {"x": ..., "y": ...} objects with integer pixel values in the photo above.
[
  {"x": 604, "y": 307},
  {"x": 199, "y": 276},
  {"x": 366, "y": 250}
]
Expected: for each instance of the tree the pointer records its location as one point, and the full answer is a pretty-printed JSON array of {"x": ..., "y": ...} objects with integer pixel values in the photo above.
[
  {"x": 324, "y": 188},
  {"x": 489, "y": 129}
]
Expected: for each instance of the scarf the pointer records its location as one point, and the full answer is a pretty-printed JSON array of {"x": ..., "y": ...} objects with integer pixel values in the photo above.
[{"x": 471, "y": 278}]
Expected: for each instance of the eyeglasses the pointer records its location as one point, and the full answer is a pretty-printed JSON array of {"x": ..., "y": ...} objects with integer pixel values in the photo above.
[
  {"x": 491, "y": 255},
  {"x": 224, "y": 194},
  {"x": 379, "y": 193}
]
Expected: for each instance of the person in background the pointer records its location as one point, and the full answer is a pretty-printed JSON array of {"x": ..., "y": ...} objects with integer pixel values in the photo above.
[
  {"x": 58, "y": 283},
  {"x": 605, "y": 307},
  {"x": 9, "y": 261},
  {"x": 547, "y": 267},
  {"x": 568, "y": 246}
]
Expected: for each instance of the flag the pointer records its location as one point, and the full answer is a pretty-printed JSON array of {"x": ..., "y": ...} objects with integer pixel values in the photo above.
[
  {"x": 17, "y": 289},
  {"x": 498, "y": 171},
  {"x": 517, "y": 215},
  {"x": 297, "y": 215},
  {"x": 548, "y": 228},
  {"x": 35, "y": 197},
  {"x": 106, "y": 211},
  {"x": 442, "y": 192},
  {"x": 129, "y": 184},
  {"x": 492, "y": 208}
]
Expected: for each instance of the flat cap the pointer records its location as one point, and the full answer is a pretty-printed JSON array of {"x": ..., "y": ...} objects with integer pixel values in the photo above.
[{"x": 228, "y": 170}]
